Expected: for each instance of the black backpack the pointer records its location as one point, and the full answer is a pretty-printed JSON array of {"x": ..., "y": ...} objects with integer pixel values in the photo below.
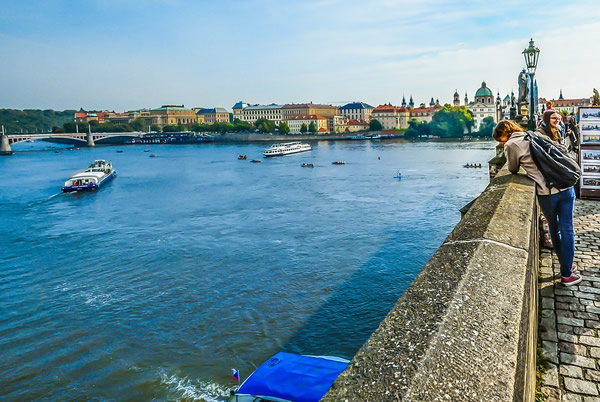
[{"x": 558, "y": 169}]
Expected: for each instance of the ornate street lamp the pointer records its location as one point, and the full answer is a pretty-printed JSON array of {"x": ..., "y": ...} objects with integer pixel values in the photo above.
[{"x": 531, "y": 55}]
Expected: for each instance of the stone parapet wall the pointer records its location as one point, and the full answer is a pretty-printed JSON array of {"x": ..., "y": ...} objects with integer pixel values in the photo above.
[{"x": 466, "y": 327}]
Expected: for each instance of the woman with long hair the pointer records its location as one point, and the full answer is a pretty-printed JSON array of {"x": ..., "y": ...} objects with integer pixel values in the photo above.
[{"x": 557, "y": 204}]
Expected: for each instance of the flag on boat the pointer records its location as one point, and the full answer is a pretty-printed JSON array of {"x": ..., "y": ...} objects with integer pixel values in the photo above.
[{"x": 236, "y": 374}]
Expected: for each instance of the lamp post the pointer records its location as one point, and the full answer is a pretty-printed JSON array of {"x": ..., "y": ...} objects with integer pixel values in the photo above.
[{"x": 531, "y": 55}]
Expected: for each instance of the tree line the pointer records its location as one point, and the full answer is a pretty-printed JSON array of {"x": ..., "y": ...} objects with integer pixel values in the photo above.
[{"x": 448, "y": 122}]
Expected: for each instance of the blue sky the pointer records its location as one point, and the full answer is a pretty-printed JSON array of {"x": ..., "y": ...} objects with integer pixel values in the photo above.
[{"x": 130, "y": 54}]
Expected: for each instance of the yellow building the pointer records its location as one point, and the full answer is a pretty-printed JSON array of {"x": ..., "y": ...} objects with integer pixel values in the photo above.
[
  {"x": 305, "y": 109},
  {"x": 170, "y": 115},
  {"x": 212, "y": 116},
  {"x": 295, "y": 123}
]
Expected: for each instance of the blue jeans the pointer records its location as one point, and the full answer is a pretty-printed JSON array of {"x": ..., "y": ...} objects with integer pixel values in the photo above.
[{"x": 558, "y": 210}]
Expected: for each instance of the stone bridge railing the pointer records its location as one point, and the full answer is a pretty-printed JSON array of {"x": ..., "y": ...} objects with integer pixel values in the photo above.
[{"x": 466, "y": 327}]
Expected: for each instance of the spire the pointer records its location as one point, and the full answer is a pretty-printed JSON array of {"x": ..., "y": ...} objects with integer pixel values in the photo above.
[
  {"x": 432, "y": 102},
  {"x": 411, "y": 102},
  {"x": 561, "y": 95},
  {"x": 403, "y": 101}
]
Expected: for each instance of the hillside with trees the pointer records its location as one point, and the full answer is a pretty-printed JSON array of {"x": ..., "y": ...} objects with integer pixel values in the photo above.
[{"x": 34, "y": 120}]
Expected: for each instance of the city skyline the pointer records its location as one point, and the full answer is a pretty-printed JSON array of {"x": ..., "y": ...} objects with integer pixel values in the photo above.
[{"x": 133, "y": 54}]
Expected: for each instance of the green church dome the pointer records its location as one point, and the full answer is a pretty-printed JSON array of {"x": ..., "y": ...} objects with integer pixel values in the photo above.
[{"x": 484, "y": 91}]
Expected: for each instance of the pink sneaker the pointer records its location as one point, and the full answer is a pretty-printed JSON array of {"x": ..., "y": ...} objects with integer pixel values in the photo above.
[
  {"x": 571, "y": 280},
  {"x": 573, "y": 268}
]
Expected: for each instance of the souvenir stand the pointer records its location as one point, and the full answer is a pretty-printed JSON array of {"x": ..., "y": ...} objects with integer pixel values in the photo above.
[{"x": 589, "y": 157}]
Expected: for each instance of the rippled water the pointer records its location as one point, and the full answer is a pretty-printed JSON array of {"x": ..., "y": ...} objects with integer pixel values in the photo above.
[{"x": 194, "y": 262}]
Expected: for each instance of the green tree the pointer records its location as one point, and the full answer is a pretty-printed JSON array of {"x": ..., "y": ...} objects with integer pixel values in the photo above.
[
  {"x": 264, "y": 126},
  {"x": 451, "y": 122},
  {"x": 284, "y": 128},
  {"x": 312, "y": 127},
  {"x": 487, "y": 127},
  {"x": 417, "y": 129},
  {"x": 375, "y": 125},
  {"x": 303, "y": 128},
  {"x": 137, "y": 124},
  {"x": 155, "y": 127}
]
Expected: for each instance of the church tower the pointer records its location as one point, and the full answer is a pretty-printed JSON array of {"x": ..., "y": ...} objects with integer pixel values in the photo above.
[
  {"x": 411, "y": 103},
  {"x": 456, "y": 102},
  {"x": 466, "y": 98},
  {"x": 403, "y": 101}
]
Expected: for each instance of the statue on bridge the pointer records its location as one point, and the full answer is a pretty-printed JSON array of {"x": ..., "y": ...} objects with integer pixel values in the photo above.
[
  {"x": 596, "y": 99},
  {"x": 523, "y": 87}
]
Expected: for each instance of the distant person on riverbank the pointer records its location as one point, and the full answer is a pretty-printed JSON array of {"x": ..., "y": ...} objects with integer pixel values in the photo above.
[{"x": 557, "y": 204}]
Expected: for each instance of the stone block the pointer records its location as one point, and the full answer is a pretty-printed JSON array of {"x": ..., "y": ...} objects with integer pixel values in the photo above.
[
  {"x": 548, "y": 303},
  {"x": 550, "y": 351},
  {"x": 550, "y": 377},
  {"x": 575, "y": 322},
  {"x": 584, "y": 331},
  {"x": 570, "y": 371},
  {"x": 562, "y": 336},
  {"x": 593, "y": 375},
  {"x": 567, "y": 329},
  {"x": 590, "y": 340},
  {"x": 592, "y": 324},
  {"x": 576, "y": 360},
  {"x": 572, "y": 348},
  {"x": 551, "y": 394},
  {"x": 569, "y": 397},
  {"x": 580, "y": 386},
  {"x": 586, "y": 316}
]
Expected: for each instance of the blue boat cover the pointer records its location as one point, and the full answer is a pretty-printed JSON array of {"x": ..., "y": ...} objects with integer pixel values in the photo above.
[{"x": 293, "y": 377}]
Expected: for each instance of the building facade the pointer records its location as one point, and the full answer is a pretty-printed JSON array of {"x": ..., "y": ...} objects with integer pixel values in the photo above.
[
  {"x": 484, "y": 105},
  {"x": 170, "y": 115},
  {"x": 357, "y": 111},
  {"x": 252, "y": 113},
  {"x": 212, "y": 116},
  {"x": 295, "y": 123}
]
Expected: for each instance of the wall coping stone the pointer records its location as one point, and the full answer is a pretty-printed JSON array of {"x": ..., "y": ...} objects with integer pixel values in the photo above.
[{"x": 459, "y": 330}]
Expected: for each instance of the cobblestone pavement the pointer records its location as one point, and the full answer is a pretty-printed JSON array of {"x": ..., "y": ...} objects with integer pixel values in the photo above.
[{"x": 570, "y": 316}]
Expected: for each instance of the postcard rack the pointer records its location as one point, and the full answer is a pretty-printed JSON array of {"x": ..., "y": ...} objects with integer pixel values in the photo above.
[{"x": 589, "y": 152}]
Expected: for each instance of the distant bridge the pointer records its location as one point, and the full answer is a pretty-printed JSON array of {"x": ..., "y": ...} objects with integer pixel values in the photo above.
[{"x": 77, "y": 139}]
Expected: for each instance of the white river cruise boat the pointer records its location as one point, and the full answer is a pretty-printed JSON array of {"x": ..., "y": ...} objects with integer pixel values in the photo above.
[
  {"x": 286, "y": 149},
  {"x": 92, "y": 178}
]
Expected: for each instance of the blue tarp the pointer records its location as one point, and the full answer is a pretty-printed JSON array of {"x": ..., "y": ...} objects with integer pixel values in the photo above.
[{"x": 293, "y": 377}]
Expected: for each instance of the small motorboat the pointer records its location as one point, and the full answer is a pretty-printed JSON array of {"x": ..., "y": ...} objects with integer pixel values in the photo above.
[
  {"x": 57, "y": 151},
  {"x": 242, "y": 157},
  {"x": 338, "y": 163},
  {"x": 256, "y": 161},
  {"x": 153, "y": 155},
  {"x": 290, "y": 377},
  {"x": 472, "y": 165},
  {"x": 146, "y": 150},
  {"x": 309, "y": 165},
  {"x": 119, "y": 151}
]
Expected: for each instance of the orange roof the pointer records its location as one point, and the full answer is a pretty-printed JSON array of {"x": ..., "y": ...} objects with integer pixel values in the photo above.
[
  {"x": 80, "y": 115},
  {"x": 321, "y": 130},
  {"x": 385, "y": 109}
]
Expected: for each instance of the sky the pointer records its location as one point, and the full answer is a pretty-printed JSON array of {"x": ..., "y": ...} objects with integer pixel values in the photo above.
[{"x": 131, "y": 54}]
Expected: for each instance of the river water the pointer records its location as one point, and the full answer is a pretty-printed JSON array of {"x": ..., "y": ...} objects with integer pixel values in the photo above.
[{"x": 193, "y": 262}]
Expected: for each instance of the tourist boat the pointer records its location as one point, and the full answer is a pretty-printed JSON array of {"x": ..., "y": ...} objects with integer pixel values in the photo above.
[
  {"x": 338, "y": 163},
  {"x": 91, "y": 178},
  {"x": 308, "y": 165},
  {"x": 242, "y": 157},
  {"x": 287, "y": 377},
  {"x": 286, "y": 149}
]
